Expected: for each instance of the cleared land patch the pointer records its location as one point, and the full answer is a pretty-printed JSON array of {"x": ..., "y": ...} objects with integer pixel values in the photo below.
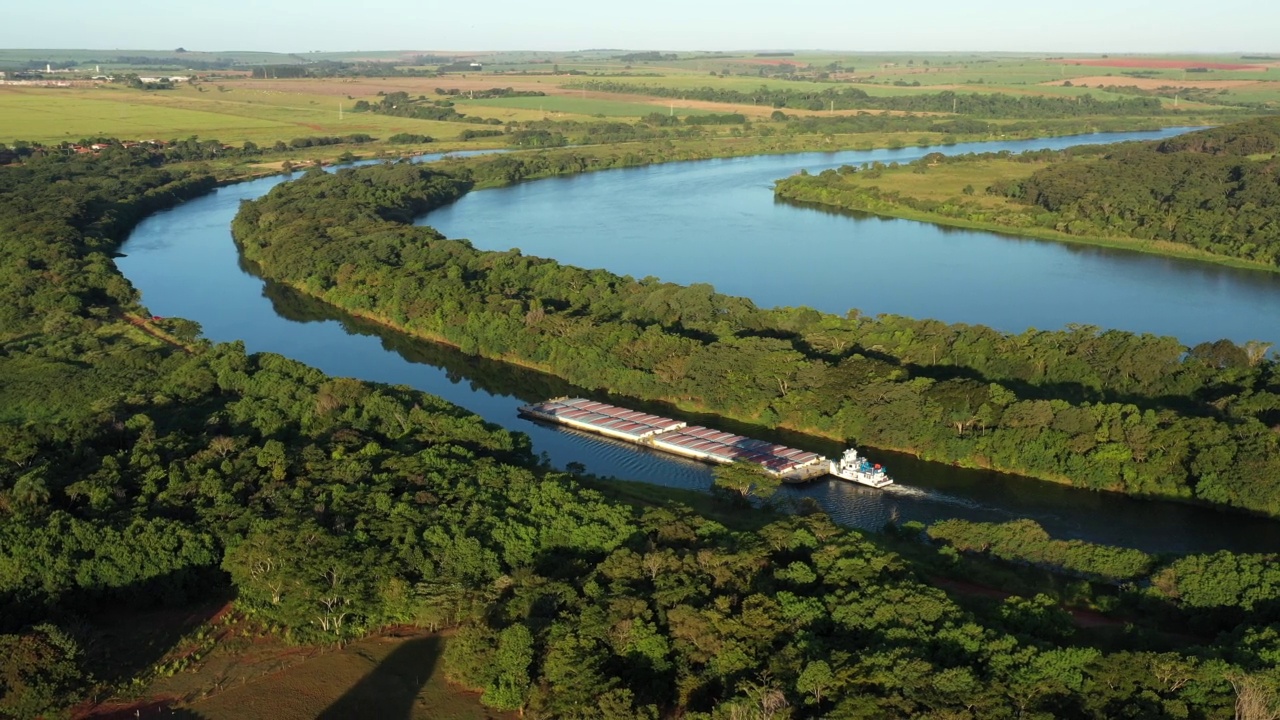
[
  {"x": 947, "y": 181},
  {"x": 1158, "y": 63},
  {"x": 55, "y": 114},
  {"x": 580, "y": 104},
  {"x": 394, "y": 675},
  {"x": 232, "y": 114},
  {"x": 1156, "y": 83}
]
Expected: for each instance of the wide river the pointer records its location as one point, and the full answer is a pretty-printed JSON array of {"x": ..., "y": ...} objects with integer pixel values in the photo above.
[{"x": 715, "y": 221}]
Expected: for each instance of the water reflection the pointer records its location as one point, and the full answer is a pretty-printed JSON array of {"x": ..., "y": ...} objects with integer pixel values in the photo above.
[
  {"x": 926, "y": 491},
  {"x": 716, "y": 222},
  {"x": 185, "y": 264}
]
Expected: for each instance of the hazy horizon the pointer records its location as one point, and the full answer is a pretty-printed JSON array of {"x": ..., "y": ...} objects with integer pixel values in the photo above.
[
  {"x": 482, "y": 50},
  {"x": 300, "y": 26}
]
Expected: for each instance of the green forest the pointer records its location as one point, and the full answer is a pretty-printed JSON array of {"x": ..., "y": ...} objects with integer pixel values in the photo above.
[
  {"x": 1104, "y": 410},
  {"x": 1213, "y": 191},
  {"x": 146, "y": 468}
]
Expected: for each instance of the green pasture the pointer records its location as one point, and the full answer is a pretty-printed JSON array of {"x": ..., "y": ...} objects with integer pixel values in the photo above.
[
  {"x": 1269, "y": 93},
  {"x": 695, "y": 80},
  {"x": 577, "y": 105},
  {"x": 948, "y": 180},
  {"x": 53, "y": 115},
  {"x": 56, "y": 114}
]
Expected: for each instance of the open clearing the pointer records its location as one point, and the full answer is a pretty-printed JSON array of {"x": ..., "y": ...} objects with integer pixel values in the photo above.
[
  {"x": 1156, "y": 83},
  {"x": 231, "y": 115},
  {"x": 368, "y": 87},
  {"x": 1135, "y": 62},
  {"x": 236, "y": 109},
  {"x": 947, "y": 181},
  {"x": 396, "y": 675},
  {"x": 583, "y": 104},
  {"x": 55, "y": 114}
]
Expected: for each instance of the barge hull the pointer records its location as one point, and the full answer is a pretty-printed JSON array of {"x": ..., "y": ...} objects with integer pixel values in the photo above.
[{"x": 677, "y": 438}]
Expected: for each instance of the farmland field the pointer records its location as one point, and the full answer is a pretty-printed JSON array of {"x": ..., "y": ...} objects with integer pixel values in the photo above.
[
  {"x": 236, "y": 115},
  {"x": 1136, "y": 62},
  {"x": 235, "y": 108},
  {"x": 580, "y": 105},
  {"x": 54, "y": 114}
]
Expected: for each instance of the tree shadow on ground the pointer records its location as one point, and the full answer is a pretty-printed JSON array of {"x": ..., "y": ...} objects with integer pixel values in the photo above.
[{"x": 391, "y": 689}]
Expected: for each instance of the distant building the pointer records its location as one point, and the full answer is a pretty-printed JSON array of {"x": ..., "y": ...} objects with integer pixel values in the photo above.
[{"x": 476, "y": 66}]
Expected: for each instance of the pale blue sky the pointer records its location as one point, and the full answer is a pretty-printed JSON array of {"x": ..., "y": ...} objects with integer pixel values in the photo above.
[{"x": 302, "y": 25}]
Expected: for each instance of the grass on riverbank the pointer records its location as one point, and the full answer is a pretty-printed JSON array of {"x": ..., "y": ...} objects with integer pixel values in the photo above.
[{"x": 959, "y": 187}]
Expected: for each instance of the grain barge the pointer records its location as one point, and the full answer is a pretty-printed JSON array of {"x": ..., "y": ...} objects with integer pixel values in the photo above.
[{"x": 702, "y": 443}]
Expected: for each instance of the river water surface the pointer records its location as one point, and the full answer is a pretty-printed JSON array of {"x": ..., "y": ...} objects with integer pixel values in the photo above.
[{"x": 715, "y": 221}]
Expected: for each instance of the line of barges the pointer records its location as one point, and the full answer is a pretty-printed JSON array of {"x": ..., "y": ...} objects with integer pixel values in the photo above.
[{"x": 702, "y": 443}]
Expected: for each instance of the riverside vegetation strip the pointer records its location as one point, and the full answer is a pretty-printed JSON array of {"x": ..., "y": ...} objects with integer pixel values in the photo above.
[
  {"x": 1208, "y": 195},
  {"x": 1102, "y": 410},
  {"x": 135, "y": 473}
]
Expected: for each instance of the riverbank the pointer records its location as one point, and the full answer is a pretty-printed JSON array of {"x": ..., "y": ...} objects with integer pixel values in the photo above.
[
  {"x": 543, "y": 316},
  {"x": 689, "y": 406},
  {"x": 765, "y": 141},
  {"x": 1148, "y": 247},
  {"x": 1157, "y": 198}
]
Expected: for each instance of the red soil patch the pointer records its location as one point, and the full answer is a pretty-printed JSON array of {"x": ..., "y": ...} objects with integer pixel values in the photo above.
[
  {"x": 159, "y": 707},
  {"x": 1157, "y": 64}
]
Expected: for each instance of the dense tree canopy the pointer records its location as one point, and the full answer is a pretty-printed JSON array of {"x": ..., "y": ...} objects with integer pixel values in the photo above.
[
  {"x": 140, "y": 472},
  {"x": 1215, "y": 191},
  {"x": 1099, "y": 409}
]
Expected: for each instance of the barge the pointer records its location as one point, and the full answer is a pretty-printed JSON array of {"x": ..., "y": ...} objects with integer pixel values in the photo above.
[{"x": 702, "y": 443}]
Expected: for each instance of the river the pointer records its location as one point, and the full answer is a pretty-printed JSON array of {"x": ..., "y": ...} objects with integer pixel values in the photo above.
[
  {"x": 185, "y": 264},
  {"x": 716, "y": 222}
]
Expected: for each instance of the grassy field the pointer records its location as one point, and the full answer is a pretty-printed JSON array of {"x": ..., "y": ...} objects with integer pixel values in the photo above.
[
  {"x": 579, "y": 105},
  {"x": 54, "y": 114},
  {"x": 948, "y": 180},
  {"x": 395, "y": 675},
  {"x": 236, "y": 109},
  {"x": 234, "y": 115},
  {"x": 945, "y": 183}
]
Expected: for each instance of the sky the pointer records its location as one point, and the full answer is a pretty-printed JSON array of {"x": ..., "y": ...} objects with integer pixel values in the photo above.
[{"x": 1082, "y": 26}]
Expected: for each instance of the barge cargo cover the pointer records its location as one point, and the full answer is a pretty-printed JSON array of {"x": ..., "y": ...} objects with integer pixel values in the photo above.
[{"x": 673, "y": 436}]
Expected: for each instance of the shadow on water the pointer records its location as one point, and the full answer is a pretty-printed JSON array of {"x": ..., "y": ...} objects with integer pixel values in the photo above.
[
  {"x": 391, "y": 689},
  {"x": 926, "y": 491},
  {"x": 1188, "y": 270},
  {"x": 186, "y": 262},
  {"x": 491, "y": 376}
]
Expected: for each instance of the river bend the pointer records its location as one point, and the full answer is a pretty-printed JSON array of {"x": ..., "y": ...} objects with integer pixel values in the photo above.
[{"x": 185, "y": 264}]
